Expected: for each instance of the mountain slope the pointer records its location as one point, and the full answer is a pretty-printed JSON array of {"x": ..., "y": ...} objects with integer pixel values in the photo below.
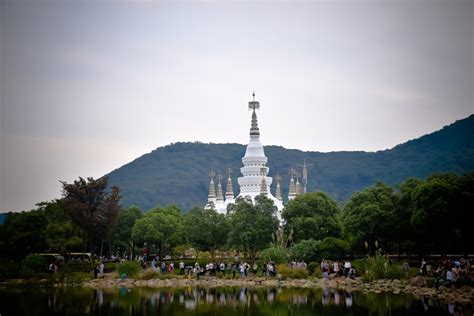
[{"x": 178, "y": 173}]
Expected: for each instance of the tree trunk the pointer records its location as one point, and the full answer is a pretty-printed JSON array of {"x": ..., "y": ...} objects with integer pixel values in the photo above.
[
  {"x": 92, "y": 247},
  {"x": 101, "y": 247},
  {"x": 161, "y": 249},
  {"x": 399, "y": 248},
  {"x": 110, "y": 248}
]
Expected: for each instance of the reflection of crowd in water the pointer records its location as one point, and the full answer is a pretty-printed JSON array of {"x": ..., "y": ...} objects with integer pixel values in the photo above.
[
  {"x": 430, "y": 304},
  {"x": 191, "y": 297},
  {"x": 334, "y": 297}
]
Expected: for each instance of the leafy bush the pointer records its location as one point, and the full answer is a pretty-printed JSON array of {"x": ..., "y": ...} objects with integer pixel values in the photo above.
[
  {"x": 413, "y": 272},
  {"x": 149, "y": 274},
  {"x": 130, "y": 268},
  {"x": 318, "y": 273},
  {"x": 315, "y": 250},
  {"x": 277, "y": 254},
  {"x": 77, "y": 277},
  {"x": 33, "y": 264},
  {"x": 312, "y": 267},
  {"x": 359, "y": 265},
  {"x": 9, "y": 269},
  {"x": 379, "y": 267},
  {"x": 430, "y": 281},
  {"x": 307, "y": 250},
  {"x": 286, "y": 272},
  {"x": 395, "y": 271},
  {"x": 334, "y": 248}
]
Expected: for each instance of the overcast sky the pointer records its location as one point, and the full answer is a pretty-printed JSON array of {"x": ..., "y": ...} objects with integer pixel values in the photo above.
[{"x": 87, "y": 86}]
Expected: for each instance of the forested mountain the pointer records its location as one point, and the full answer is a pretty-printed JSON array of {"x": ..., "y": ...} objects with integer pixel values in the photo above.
[{"x": 178, "y": 173}]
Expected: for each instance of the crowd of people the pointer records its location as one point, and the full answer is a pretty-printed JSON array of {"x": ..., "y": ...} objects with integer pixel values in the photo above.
[
  {"x": 338, "y": 269},
  {"x": 447, "y": 271},
  {"x": 233, "y": 269}
]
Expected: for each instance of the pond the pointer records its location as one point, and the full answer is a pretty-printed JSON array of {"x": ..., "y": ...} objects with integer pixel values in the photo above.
[{"x": 216, "y": 301}]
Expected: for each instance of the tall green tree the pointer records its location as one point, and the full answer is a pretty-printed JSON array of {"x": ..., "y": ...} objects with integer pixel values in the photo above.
[
  {"x": 402, "y": 230},
  {"x": 122, "y": 233},
  {"x": 442, "y": 217},
  {"x": 369, "y": 216},
  {"x": 161, "y": 226},
  {"x": 23, "y": 233},
  {"x": 252, "y": 226},
  {"x": 206, "y": 229},
  {"x": 312, "y": 216},
  {"x": 60, "y": 233},
  {"x": 92, "y": 207}
]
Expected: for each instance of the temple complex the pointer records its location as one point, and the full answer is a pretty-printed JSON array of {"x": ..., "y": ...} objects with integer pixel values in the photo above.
[{"x": 254, "y": 180}]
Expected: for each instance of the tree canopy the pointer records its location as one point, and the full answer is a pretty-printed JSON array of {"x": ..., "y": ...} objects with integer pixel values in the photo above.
[
  {"x": 163, "y": 227},
  {"x": 92, "y": 207},
  {"x": 252, "y": 226},
  {"x": 312, "y": 216},
  {"x": 206, "y": 229},
  {"x": 369, "y": 216}
]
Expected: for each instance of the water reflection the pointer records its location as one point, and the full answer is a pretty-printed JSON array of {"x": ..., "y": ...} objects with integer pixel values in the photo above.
[{"x": 219, "y": 301}]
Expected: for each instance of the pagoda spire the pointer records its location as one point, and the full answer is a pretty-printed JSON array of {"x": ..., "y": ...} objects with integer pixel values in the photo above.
[
  {"x": 297, "y": 185},
  {"x": 263, "y": 186},
  {"x": 278, "y": 188},
  {"x": 229, "y": 191},
  {"x": 292, "y": 190},
  {"x": 305, "y": 166},
  {"x": 220, "y": 195},
  {"x": 254, "y": 105},
  {"x": 212, "y": 190}
]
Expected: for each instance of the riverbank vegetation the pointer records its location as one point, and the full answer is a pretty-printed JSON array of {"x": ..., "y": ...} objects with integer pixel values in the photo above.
[{"x": 419, "y": 217}]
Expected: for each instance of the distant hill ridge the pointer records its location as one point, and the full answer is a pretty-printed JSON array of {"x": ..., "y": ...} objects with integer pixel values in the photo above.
[{"x": 178, "y": 173}]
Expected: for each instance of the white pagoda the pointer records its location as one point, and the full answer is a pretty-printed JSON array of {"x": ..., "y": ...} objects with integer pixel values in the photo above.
[{"x": 255, "y": 179}]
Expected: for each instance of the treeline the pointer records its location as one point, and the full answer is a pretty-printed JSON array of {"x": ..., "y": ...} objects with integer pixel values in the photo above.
[{"x": 433, "y": 215}]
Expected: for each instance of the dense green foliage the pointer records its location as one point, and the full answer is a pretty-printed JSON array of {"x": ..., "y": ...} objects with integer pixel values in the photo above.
[
  {"x": 163, "y": 227},
  {"x": 380, "y": 267},
  {"x": 122, "y": 233},
  {"x": 46, "y": 229},
  {"x": 60, "y": 233},
  {"x": 442, "y": 212},
  {"x": 130, "y": 268},
  {"x": 91, "y": 207},
  {"x": 252, "y": 226},
  {"x": 33, "y": 264},
  {"x": 178, "y": 173},
  {"x": 206, "y": 229},
  {"x": 312, "y": 216},
  {"x": 370, "y": 214},
  {"x": 286, "y": 272},
  {"x": 432, "y": 215},
  {"x": 277, "y": 254},
  {"x": 22, "y": 233},
  {"x": 307, "y": 250},
  {"x": 316, "y": 250}
]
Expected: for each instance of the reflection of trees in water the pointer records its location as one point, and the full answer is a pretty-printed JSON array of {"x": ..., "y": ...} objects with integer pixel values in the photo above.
[{"x": 219, "y": 301}]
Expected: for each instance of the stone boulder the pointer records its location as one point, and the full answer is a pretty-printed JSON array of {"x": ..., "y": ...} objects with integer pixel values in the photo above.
[{"x": 418, "y": 281}]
